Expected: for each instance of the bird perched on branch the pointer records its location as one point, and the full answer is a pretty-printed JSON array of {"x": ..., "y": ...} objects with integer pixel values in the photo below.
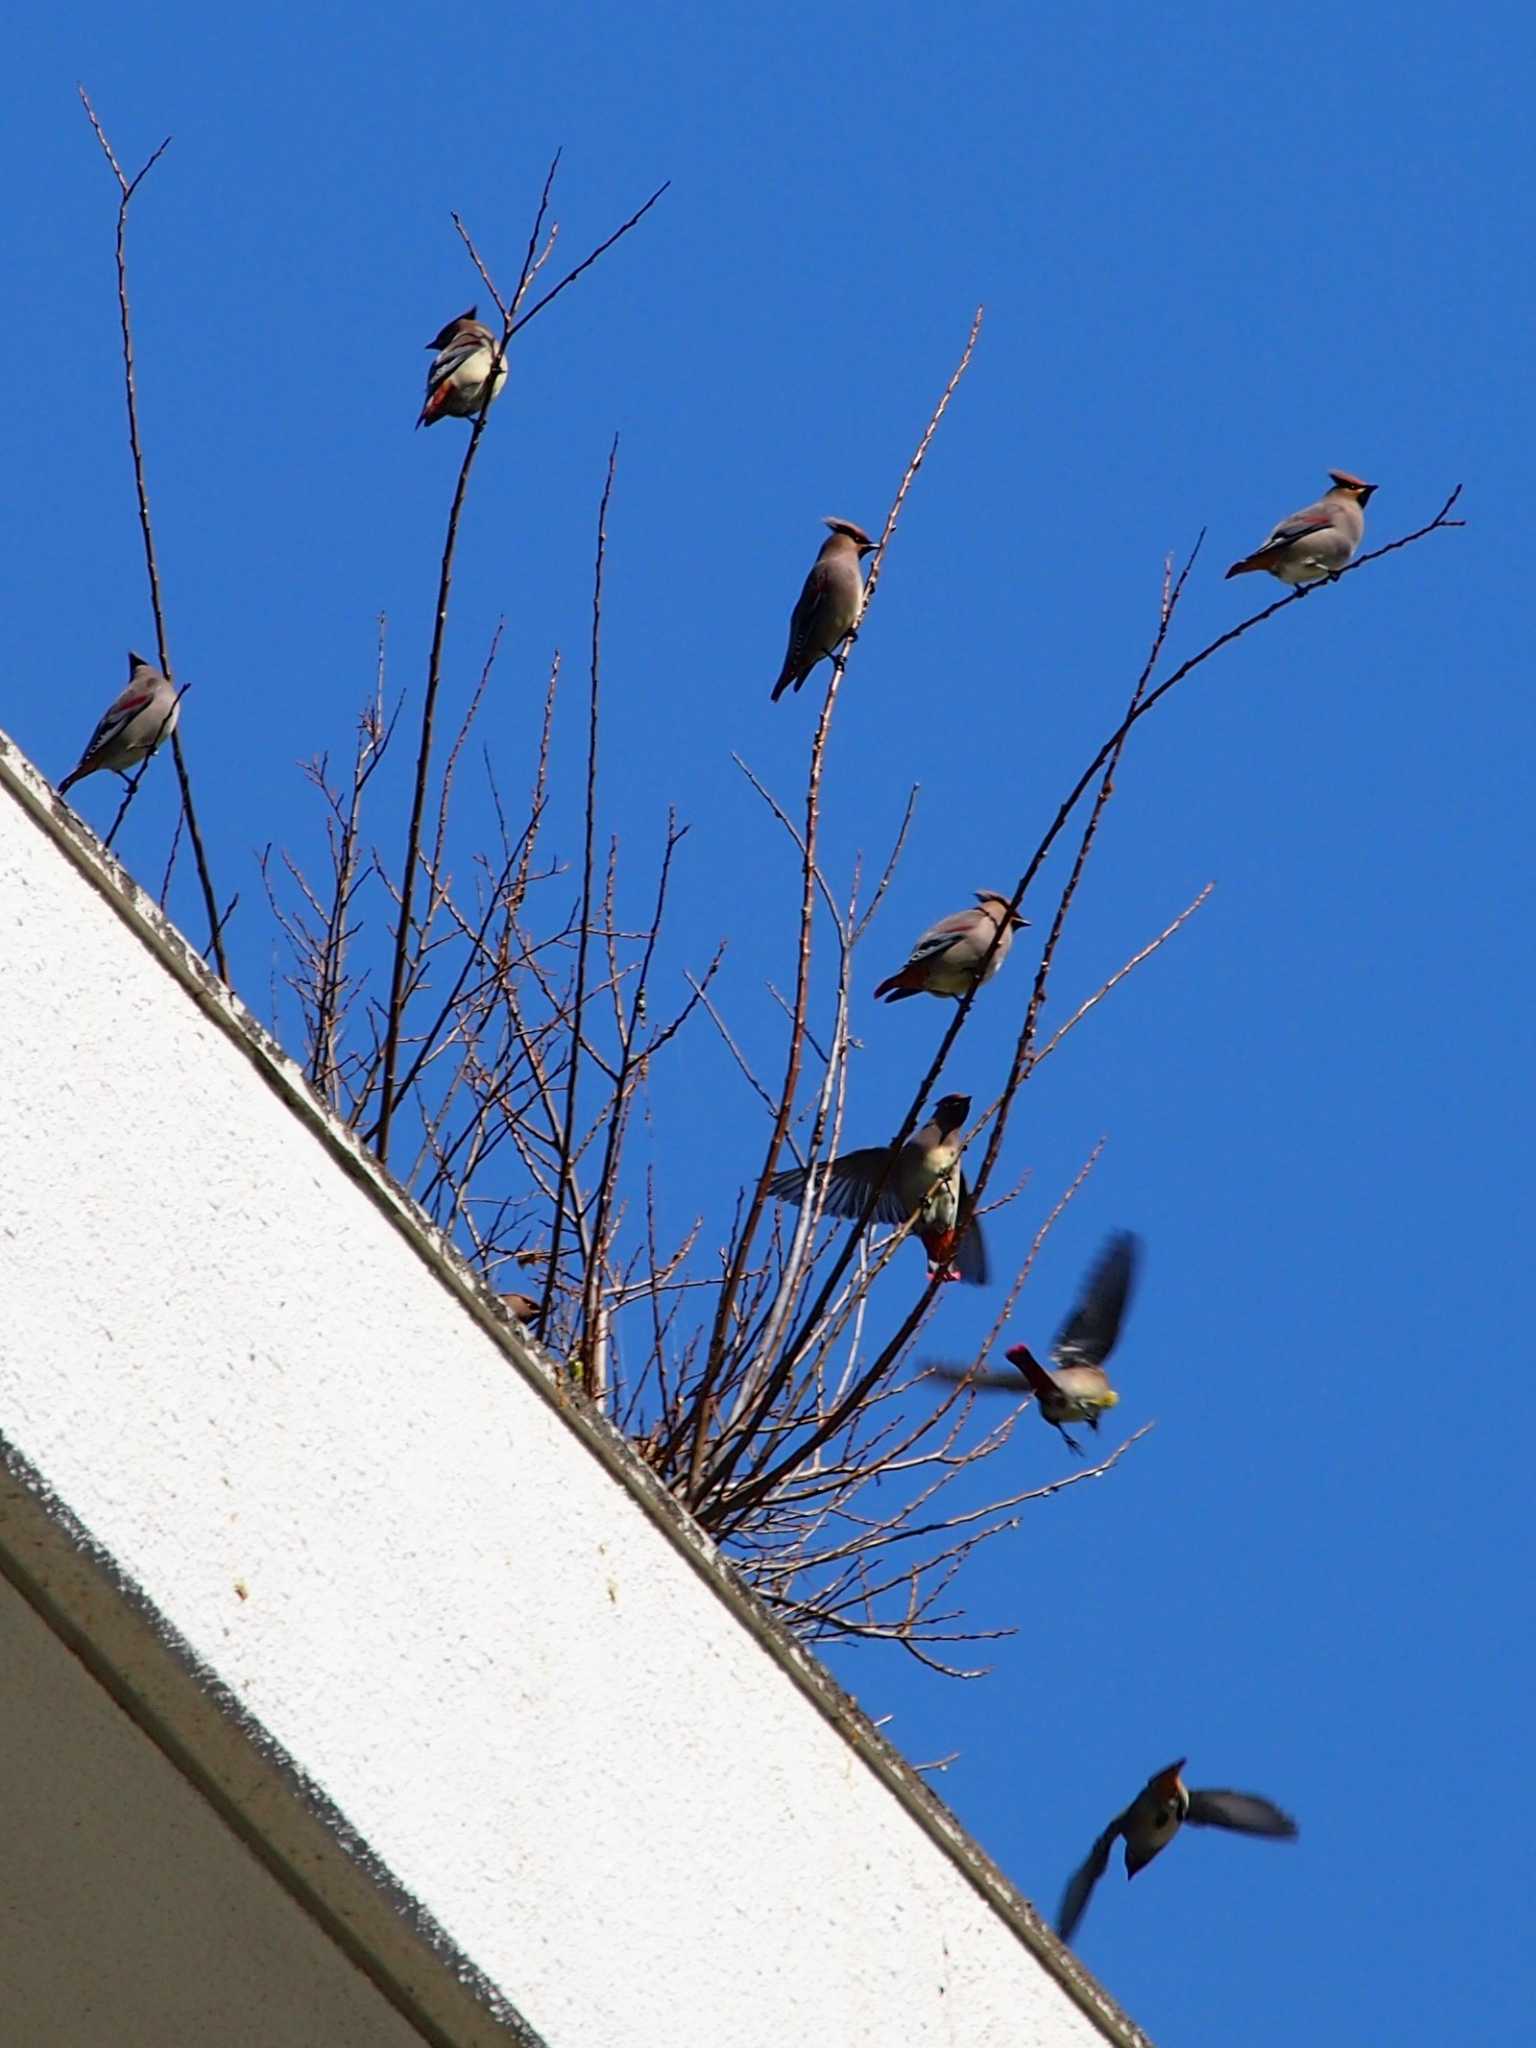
[
  {"x": 1078, "y": 1390},
  {"x": 1164, "y": 1805},
  {"x": 947, "y": 959},
  {"x": 522, "y": 1308},
  {"x": 925, "y": 1179},
  {"x": 1318, "y": 541},
  {"x": 132, "y": 726},
  {"x": 459, "y": 371},
  {"x": 829, "y": 605}
]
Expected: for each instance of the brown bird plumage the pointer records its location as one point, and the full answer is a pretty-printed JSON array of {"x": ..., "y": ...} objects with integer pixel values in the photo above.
[
  {"x": 925, "y": 1180},
  {"x": 947, "y": 959},
  {"x": 828, "y": 607},
  {"x": 1316, "y": 542}
]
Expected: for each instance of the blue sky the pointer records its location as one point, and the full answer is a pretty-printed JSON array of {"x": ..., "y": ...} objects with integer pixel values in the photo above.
[{"x": 1220, "y": 252}]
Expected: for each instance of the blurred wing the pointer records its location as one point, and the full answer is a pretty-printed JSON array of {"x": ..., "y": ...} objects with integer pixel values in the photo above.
[
  {"x": 849, "y": 1183},
  {"x": 963, "y": 1376},
  {"x": 1079, "y": 1890},
  {"x": 1088, "y": 1335},
  {"x": 1245, "y": 1813}
]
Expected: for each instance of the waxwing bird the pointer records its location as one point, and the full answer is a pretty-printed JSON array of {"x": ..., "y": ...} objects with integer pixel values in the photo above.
[
  {"x": 926, "y": 1181},
  {"x": 132, "y": 726},
  {"x": 521, "y": 1307},
  {"x": 1319, "y": 540},
  {"x": 457, "y": 374},
  {"x": 1151, "y": 1821},
  {"x": 1078, "y": 1390},
  {"x": 829, "y": 605},
  {"x": 947, "y": 959}
]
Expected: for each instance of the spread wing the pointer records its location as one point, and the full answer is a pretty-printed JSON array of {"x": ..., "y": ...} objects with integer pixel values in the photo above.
[
  {"x": 1245, "y": 1813},
  {"x": 1088, "y": 1335},
  {"x": 849, "y": 1184},
  {"x": 1079, "y": 1891}
]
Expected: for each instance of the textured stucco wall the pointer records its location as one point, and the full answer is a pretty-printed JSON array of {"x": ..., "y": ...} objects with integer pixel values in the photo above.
[{"x": 285, "y": 1421}]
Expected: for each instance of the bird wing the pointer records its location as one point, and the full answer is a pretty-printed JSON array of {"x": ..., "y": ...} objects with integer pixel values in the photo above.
[
  {"x": 1297, "y": 527},
  {"x": 1245, "y": 1813},
  {"x": 1088, "y": 1335},
  {"x": 806, "y": 606},
  {"x": 1079, "y": 1891},
  {"x": 849, "y": 1182},
  {"x": 119, "y": 713},
  {"x": 452, "y": 358},
  {"x": 970, "y": 1254},
  {"x": 964, "y": 1376},
  {"x": 941, "y": 936}
]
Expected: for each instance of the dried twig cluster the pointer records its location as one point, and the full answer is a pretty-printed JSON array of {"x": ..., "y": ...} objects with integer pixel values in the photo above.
[{"x": 490, "y": 1041}]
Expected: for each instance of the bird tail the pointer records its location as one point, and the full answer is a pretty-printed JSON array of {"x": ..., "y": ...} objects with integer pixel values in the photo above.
[
  {"x": 897, "y": 987},
  {"x": 71, "y": 778},
  {"x": 1250, "y": 565},
  {"x": 1035, "y": 1374},
  {"x": 786, "y": 677}
]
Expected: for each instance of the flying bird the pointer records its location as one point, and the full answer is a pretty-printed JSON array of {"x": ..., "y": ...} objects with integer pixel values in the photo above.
[
  {"x": 925, "y": 1180},
  {"x": 132, "y": 726},
  {"x": 1163, "y": 1805},
  {"x": 1318, "y": 541},
  {"x": 829, "y": 605},
  {"x": 947, "y": 959},
  {"x": 460, "y": 369},
  {"x": 1078, "y": 1389}
]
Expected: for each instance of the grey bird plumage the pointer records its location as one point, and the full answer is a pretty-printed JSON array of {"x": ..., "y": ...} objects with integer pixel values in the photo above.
[
  {"x": 947, "y": 959},
  {"x": 133, "y": 725},
  {"x": 829, "y": 604},
  {"x": 460, "y": 370},
  {"x": 926, "y": 1180},
  {"x": 1317, "y": 541}
]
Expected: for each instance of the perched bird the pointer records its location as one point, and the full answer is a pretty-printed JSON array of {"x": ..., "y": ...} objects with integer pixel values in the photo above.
[
  {"x": 132, "y": 726},
  {"x": 829, "y": 605},
  {"x": 1317, "y": 541},
  {"x": 926, "y": 1180},
  {"x": 521, "y": 1307},
  {"x": 947, "y": 959},
  {"x": 1152, "y": 1820},
  {"x": 456, "y": 377},
  {"x": 1078, "y": 1390}
]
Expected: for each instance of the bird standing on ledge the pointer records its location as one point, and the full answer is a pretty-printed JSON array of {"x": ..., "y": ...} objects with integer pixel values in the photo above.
[
  {"x": 133, "y": 724},
  {"x": 1317, "y": 542}
]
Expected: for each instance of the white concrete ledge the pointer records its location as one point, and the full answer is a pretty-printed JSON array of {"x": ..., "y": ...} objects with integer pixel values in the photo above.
[{"x": 466, "y": 1685}]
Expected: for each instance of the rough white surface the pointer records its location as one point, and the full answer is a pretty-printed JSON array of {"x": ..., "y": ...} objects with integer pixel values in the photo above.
[{"x": 243, "y": 1378}]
